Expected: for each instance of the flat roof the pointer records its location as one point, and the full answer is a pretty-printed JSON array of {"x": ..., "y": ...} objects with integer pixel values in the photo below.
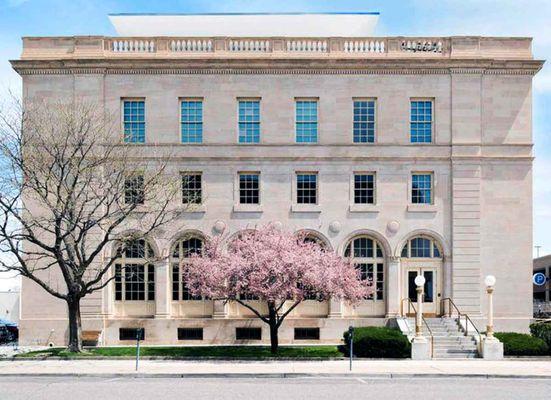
[{"x": 331, "y": 24}]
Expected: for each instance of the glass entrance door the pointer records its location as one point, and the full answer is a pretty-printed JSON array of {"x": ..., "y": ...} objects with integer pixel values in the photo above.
[{"x": 431, "y": 295}]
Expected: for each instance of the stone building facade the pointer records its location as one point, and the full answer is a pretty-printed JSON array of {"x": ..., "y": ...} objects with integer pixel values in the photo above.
[{"x": 413, "y": 155}]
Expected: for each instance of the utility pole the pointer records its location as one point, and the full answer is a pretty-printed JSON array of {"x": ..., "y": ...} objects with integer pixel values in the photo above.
[{"x": 537, "y": 251}]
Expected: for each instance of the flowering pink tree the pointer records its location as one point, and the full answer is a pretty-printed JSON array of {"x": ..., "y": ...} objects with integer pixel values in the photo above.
[{"x": 278, "y": 268}]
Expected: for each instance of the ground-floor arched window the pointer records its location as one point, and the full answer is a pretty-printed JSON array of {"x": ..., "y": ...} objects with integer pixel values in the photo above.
[
  {"x": 421, "y": 247},
  {"x": 367, "y": 255},
  {"x": 179, "y": 254},
  {"x": 134, "y": 273}
]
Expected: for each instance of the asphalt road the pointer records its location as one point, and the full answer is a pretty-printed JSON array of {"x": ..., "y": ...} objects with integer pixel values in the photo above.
[{"x": 59, "y": 388}]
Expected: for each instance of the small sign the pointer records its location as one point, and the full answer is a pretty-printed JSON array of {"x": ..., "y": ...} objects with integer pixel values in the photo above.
[{"x": 539, "y": 279}]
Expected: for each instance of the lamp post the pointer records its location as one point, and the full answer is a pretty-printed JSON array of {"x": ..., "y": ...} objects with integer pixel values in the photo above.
[
  {"x": 420, "y": 283},
  {"x": 490, "y": 282}
]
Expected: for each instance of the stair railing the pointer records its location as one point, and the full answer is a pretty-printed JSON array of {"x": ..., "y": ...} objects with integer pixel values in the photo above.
[
  {"x": 411, "y": 306},
  {"x": 451, "y": 307}
]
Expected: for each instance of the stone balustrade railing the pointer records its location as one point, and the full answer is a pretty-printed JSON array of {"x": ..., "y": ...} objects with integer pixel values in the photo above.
[{"x": 400, "y": 47}]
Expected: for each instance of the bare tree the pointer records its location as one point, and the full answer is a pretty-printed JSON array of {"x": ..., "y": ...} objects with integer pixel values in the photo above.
[{"x": 70, "y": 187}]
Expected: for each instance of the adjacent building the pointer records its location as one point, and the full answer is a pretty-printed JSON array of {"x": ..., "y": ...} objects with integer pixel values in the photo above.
[
  {"x": 412, "y": 155},
  {"x": 542, "y": 293}
]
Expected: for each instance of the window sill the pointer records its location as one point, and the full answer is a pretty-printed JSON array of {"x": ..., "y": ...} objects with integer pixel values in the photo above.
[
  {"x": 364, "y": 208},
  {"x": 306, "y": 208},
  {"x": 422, "y": 208},
  {"x": 247, "y": 208},
  {"x": 191, "y": 208}
]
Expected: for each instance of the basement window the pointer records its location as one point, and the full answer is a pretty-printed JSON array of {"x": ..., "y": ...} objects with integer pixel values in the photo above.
[
  {"x": 190, "y": 333},
  {"x": 307, "y": 333},
  {"x": 131, "y": 333},
  {"x": 248, "y": 333}
]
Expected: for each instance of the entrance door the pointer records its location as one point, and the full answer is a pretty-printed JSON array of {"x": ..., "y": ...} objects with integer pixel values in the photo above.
[{"x": 431, "y": 298}]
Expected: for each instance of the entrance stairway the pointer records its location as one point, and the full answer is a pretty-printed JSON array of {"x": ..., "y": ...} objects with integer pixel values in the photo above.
[{"x": 448, "y": 338}]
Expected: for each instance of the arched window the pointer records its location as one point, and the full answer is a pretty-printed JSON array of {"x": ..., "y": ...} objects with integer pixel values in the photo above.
[
  {"x": 313, "y": 237},
  {"x": 421, "y": 247},
  {"x": 180, "y": 252},
  {"x": 367, "y": 256},
  {"x": 134, "y": 274}
]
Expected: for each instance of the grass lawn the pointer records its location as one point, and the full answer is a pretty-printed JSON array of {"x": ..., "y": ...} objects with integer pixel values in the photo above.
[{"x": 252, "y": 352}]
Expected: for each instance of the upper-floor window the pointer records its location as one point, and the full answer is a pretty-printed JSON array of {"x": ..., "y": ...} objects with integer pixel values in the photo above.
[
  {"x": 306, "y": 121},
  {"x": 192, "y": 188},
  {"x": 249, "y": 188},
  {"x": 134, "y": 191},
  {"x": 421, "y": 120},
  {"x": 364, "y": 121},
  {"x": 191, "y": 120},
  {"x": 249, "y": 121},
  {"x": 134, "y": 121},
  {"x": 421, "y": 188},
  {"x": 364, "y": 188},
  {"x": 307, "y": 188}
]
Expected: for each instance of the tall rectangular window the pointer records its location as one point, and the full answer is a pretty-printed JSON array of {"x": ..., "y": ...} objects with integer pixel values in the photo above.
[
  {"x": 192, "y": 190},
  {"x": 249, "y": 121},
  {"x": 134, "y": 190},
  {"x": 134, "y": 121},
  {"x": 307, "y": 188},
  {"x": 306, "y": 121},
  {"x": 364, "y": 188},
  {"x": 249, "y": 188},
  {"x": 364, "y": 121},
  {"x": 421, "y": 188},
  {"x": 421, "y": 119},
  {"x": 191, "y": 121}
]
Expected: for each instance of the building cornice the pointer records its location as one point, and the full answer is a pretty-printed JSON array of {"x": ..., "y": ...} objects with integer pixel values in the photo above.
[{"x": 259, "y": 66}]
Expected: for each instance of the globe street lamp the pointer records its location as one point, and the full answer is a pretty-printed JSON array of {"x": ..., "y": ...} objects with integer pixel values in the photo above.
[
  {"x": 490, "y": 282},
  {"x": 420, "y": 283}
]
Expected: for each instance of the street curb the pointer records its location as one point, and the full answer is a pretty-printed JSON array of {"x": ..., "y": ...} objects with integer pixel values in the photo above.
[{"x": 275, "y": 375}]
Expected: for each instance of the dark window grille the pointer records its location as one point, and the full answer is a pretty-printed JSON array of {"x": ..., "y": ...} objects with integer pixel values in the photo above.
[
  {"x": 307, "y": 188},
  {"x": 192, "y": 191},
  {"x": 364, "y": 189},
  {"x": 134, "y": 192},
  {"x": 249, "y": 189}
]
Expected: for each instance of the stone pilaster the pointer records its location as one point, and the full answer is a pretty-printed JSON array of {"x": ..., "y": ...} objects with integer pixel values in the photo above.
[
  {"x": 162, "y": 290},
  {"x": 466, "y": 177},
  {"x": 393, "y": 290}
]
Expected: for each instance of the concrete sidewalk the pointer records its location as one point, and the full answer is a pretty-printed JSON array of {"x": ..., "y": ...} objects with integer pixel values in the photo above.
[{"x": 367, "y": 368}]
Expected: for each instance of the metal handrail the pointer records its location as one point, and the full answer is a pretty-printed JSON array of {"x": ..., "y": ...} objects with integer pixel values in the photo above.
[
  {"x": 459, "y": 315},
  {"x": 410, "y": 306}
]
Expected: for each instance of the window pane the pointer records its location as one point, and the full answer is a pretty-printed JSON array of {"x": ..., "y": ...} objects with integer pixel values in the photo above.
[
  {"x": 421, "y": 121},
  {"x": 306, "y": 121},
  {"x": 364, "y": 121},
  {"x": 191, "y": 123},
  {"x": 364, "y": 189},
  {"x": 192, "y": 192},
  {"x": 421, "y": 189},
  {"x": 420, "y": 247},
  {"x": 249, "y": 189},
  {"x": 134, "y": 121},
  {"x": 307, "y": 188},
  {"x": 249, "y": 121}
]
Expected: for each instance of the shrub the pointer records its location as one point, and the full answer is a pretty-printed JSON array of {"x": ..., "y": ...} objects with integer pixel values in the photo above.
[
  {"x": 378, "y": 342},
  {"x": 543, "y": 331},
  {"x": 520, "y": 344}
]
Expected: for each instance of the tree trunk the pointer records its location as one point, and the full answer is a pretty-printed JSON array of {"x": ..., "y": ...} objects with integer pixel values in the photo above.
[
  {"x": 75, "y": 326},
  {"x": 274, "y": 342}
]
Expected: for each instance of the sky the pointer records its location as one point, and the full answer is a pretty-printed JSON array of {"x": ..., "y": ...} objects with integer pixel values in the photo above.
[{"x": 398, "y": 17}]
